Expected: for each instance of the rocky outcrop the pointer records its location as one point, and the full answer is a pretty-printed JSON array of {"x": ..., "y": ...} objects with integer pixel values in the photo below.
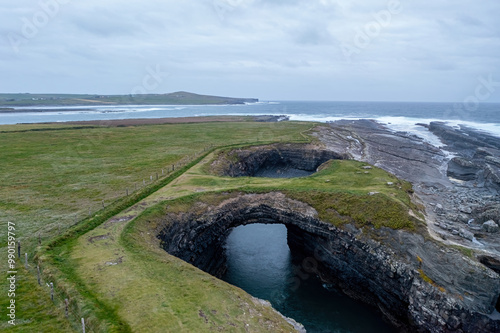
[
  {"x": 463, "y": 169},
  {"x": 479, "y": 152},
  {"x": 277, "y": 159},
  {"x": 415, "y": 282},
  {"x": 457, "y": 182}
]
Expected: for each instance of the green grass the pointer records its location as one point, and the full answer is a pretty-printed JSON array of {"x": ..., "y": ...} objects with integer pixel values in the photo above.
[
  {"x": 50, "y": 176},
  {"x": 177, "y": 98},
  {"x": 35, "y": 312},
  {"x": 49, "y": 179}
]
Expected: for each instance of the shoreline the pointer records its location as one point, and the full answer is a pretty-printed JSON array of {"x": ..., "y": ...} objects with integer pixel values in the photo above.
[{"x": 167, "y": 120}]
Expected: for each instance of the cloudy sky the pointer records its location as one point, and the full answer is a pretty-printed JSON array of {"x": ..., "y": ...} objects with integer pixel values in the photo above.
[{"x": 359, "y": 50}]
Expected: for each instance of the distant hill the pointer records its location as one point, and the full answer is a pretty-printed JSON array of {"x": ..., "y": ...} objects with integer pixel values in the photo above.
[{"x": 176, "y": 98}]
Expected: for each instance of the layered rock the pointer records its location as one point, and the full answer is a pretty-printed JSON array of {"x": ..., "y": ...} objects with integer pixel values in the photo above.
[
  {"x": 479, "y": 152},
  {"x": 415, "y": 282},
  {"x": 458, "y": 182},
  {"x": 277, "y": 158}
]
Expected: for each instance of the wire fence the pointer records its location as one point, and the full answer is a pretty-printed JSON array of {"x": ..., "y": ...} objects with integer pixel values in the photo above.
[
  {"x": 99, "y": 205},
  {"x": 62, "y": 294}
]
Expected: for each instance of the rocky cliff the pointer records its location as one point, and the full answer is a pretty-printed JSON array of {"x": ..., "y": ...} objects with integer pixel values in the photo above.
[
  {"x": 276, "y": 158},
  {"x": 458, "y": 180},
  {"x": 418, "y": 284}
]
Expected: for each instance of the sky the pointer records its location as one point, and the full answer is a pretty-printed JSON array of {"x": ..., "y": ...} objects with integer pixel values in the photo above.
[{"x": 335, "y": 50}]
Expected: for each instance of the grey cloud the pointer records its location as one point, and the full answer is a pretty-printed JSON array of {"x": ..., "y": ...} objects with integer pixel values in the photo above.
[{"x": 261, "y": 48}]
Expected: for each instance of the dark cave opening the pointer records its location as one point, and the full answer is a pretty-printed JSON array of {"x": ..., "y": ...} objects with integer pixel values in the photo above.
[
  {"x": 317, "y": 250},
  {"x": 490, "y": 262},
  {"x": 260, "y": 260},
  {"x": 277, "y": 161},
  {"x": 494, "y": 265}
]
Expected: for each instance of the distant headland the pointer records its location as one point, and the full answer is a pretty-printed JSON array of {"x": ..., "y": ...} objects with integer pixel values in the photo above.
[{"x": 7, "y": 101}]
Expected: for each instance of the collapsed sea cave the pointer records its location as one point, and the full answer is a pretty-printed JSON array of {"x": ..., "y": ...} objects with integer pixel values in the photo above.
[
  {"x": 273, "y": 161},
  {"x": 359, "y": 266},
  {"x": 412, "y": 281},
  {"x": 328, "y": 253}
]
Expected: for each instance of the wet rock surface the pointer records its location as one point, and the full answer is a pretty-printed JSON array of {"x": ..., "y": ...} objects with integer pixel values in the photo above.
[
  {"x": 416, "y": 282},
  {"x": 457, "y": 182}
]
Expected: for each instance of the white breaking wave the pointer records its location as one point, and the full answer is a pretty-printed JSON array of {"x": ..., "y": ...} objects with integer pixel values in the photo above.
[
  {"x": 406, "y": 124},
  {"x": 94, "y": 112}
]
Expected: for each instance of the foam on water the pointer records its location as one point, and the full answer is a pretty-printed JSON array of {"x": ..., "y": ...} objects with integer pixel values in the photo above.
[
  {"x": 406, "y": 124},
  {"x": 409, "y": 125},
  {"x": 401, "y": 117}
]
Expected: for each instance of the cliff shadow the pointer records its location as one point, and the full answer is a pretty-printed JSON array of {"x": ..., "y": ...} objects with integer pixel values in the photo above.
[
  {"x": 272, "y": 161},
  {"x": 335, "y": 256}
]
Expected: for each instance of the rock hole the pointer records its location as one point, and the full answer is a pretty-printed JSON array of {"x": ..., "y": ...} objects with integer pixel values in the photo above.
[
  {"x": 275, "y": 161},
  {"x": 493, "y": 264},
  {"x": 490, "y": 262},
  {"x": 261, "y": 262}
]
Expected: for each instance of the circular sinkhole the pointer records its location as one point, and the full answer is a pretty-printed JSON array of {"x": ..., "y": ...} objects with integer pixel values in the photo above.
[{"x": 272, "y": 161}]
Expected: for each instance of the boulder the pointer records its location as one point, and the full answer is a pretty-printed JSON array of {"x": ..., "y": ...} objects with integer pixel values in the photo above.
[
  {"x": 490, "y": 226},
  {"x": 463, "y": 169},
  {"x": 465, "y": 234}
]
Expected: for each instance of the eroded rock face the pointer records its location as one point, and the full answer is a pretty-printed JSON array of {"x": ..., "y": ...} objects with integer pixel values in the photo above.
[
  {"x": 463, "y": 169},
  {"x": 277, "y": 158},
  {"x": 458, "y": 193},
  {"x": 416, "y": 283},
  {"x": 478, "y": 153}
]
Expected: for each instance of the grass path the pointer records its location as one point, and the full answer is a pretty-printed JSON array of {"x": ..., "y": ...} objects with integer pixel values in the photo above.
[
  {"x": 110, "y": 265},
  {"x": 154, "y": 291},
  {"x": 50, "y": 173}
]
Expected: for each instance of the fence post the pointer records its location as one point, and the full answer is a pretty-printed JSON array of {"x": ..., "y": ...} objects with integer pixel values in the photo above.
[
  {"x": 39, "y": 239},
  {"x": 66, "y": 302},
  {"x": 26, "y": 260},
  {"x": 83, "y": 325},
  {"x": 19, "y": 249},
  {"x": 38, "y": 274},
  {"x": 52, "y": 291}
]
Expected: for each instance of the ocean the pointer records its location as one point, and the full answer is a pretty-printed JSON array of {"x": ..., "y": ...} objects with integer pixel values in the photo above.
[{"x": 399, "y": 116}]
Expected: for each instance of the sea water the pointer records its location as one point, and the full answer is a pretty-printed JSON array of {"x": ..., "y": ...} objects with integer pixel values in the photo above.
[
  {"x": 399, "y": 116},
  {"x": 259, "y": 261}
]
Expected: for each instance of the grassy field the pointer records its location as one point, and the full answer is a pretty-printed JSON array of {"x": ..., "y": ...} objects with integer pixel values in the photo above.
[
  {"x": 50, "y": 178},
  {"x": 8, "y": 101},
  {"x": 109, "y": 265},
  {"x": 124, "y": 247},
  {"x": 51, "y": 175}
]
